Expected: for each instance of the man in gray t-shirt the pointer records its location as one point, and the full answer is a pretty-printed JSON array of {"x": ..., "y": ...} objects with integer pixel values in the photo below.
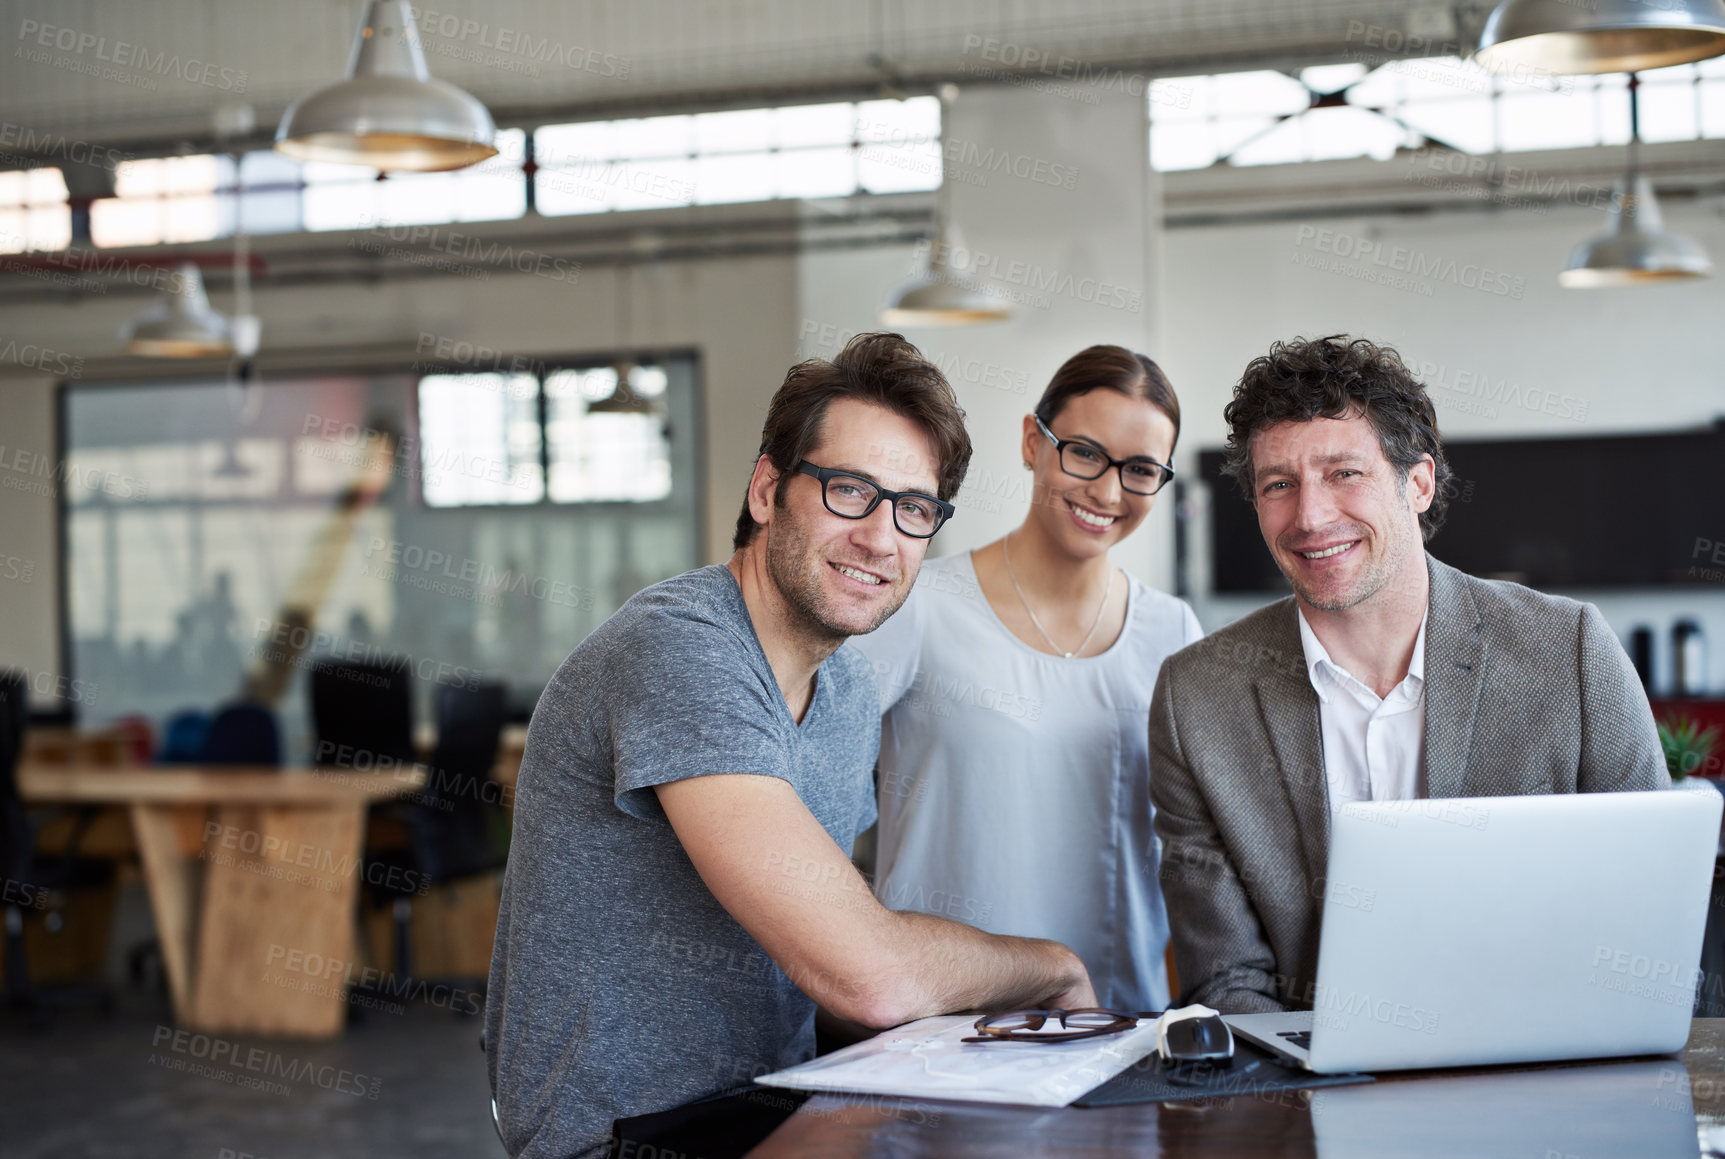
[{"x": 679, "y": 895}]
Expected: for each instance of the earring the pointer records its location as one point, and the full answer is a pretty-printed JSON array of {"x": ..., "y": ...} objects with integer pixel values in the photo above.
[{"x": 1027, "y": 465}]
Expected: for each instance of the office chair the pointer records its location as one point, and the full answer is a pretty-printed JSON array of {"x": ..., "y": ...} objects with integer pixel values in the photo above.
[
  {"x": 452, "y": 825},
  {"x": 362, "y": 713},
  {"x": 242, "y": 734},
  {"x": 183, "y": 737},
  {"x": 36, "y": 885}
]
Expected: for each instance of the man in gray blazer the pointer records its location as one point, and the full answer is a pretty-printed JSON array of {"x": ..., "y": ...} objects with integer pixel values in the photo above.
[{"x": 1386, "y": 676}]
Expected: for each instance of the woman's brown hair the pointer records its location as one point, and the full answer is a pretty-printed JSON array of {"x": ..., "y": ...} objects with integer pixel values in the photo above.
[{"x": 1110, "y": 368}]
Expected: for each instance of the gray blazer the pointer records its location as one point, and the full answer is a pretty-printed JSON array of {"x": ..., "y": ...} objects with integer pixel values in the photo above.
[{"x": 1525, "y": 693}]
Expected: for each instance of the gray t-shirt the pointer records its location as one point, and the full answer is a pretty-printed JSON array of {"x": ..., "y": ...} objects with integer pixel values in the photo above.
[{"x": 619, "y": 985}]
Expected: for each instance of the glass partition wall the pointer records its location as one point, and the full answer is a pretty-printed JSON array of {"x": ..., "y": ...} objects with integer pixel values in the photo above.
[{"x": 220, "y": 538}]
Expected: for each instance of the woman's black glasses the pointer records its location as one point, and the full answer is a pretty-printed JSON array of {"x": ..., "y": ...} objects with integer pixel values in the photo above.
[{"x": 1140, "y": 475}]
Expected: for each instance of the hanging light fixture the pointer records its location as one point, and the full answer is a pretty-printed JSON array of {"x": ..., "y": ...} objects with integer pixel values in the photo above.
[
  {"x": 1563, "y": 36},
  {"x": 1635, "y": 248},
  {"x": 181, "y": 323},
  {"x": 938, "y": 298},
  {"x": 390, "y": 113},
  {"x": 623, "y": 399}
]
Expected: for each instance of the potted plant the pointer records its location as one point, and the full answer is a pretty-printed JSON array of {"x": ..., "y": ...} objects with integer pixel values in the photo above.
[{"x": 1688, "y": 748}]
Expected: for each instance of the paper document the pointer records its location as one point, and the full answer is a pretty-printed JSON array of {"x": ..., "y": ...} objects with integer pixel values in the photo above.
[{"x": 926, "y": 1060}]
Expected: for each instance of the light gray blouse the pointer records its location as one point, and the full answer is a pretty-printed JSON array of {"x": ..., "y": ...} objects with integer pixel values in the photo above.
[{"x": 1015, "y": 786}]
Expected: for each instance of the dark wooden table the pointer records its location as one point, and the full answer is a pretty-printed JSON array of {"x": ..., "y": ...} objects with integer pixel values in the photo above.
[{"x": 1639, "y": 1109}]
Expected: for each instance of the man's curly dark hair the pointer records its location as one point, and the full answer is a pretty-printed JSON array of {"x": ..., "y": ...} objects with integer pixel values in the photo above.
[{"x": 1333, "y": 377}]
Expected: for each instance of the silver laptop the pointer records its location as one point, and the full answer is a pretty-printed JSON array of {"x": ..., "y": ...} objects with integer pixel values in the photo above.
[{"x": 1480, "y": 930}]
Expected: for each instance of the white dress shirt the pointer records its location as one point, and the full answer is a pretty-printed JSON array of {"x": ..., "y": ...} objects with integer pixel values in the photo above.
[{"x": 1374, "y": 749}]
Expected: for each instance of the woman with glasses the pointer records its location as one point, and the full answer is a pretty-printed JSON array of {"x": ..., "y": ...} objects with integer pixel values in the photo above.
[{"x": 1015, "y": 686}]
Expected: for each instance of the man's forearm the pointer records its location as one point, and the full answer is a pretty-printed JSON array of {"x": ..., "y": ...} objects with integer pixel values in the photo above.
[{"x": 949, "y": 966}]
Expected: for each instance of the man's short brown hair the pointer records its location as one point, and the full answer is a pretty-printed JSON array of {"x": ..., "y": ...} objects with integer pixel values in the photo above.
[
  {"x": 1335, "y": 377},
  {"x": 882, "y": 369}
]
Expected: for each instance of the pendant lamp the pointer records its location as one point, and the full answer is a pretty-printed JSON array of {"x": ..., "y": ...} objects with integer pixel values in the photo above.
[
  {"x": 390, "y": 113},
  {"x": 1635, "y": 248},
  {"x": 1571, "y": 36},
  {"x": 181, "y": 323},
  {"x": 938, "y": 298}
]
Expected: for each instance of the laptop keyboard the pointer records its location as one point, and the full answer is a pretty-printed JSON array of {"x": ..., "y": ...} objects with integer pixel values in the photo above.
[{"x": 1299, "y": 1038}]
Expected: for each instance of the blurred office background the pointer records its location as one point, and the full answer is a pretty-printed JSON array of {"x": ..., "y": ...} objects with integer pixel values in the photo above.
[{"x": 485, "y": 406}]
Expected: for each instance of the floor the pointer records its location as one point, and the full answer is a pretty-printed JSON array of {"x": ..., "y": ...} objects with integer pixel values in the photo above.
[{"x": 127, "y": 1086}]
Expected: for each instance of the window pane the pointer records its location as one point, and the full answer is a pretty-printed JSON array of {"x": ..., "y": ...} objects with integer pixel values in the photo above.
[
  {"x": 328, "y": 172},
  {"x": 266, "y": 167},
  {"x": 271, "y": 212},
  {"x": 603, "y": 456},
  {"x": 44, "y": 187},
  {"x": 733, "y": 177},
  {"x": 1468, "y": 125},
  {"x": 651, "y": 184},
  {"x": 1713, "y": 108},
  {"x": 656, "y": 137},
  {"x": 1177, "y": 98},
  {"x": 742, "y": 131},
  {"x": 1668, "y": 111},
  {"x": 490, "y": 196},
  {"x": 1337, "y": 133},
  {"x": 1442, "y": 78},
  {"x": 198, "y": 174},
  {"x": 1232, "y": 132},
  {"x": 1611, "y": 101},
  {"x": 814, "y": 124},
  {"x": 897, "y": 168},
  {"x": 1286, "y": 142},
  {"x": 1241, "y": 93},
  {"x": 47, "y": 227},
  {"x": 584, "y": 189},
  {"x": 117, "y": 221},
  {"x": 1181, "y": 145},
  {"x": 1380, "y": 89},
  {"x": 1331, "y": 78},
  {"x": 1545, "y": 121},
  {"x": 138, "y": 178},
  {"x": 918, "y": 117},
  {"x": 416, "y": 198},
  {"x": 189, "y": 218},
  {"x": 816, "y": 173},
  {"x": 349, "y": 205},
  {"x": 565, "y": 144},
  {"x": 479, "y": 439}
]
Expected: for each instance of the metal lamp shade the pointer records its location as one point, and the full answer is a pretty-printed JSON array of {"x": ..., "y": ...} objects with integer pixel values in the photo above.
[
  {"x": 623, "y": 400},
  {"x": 181, "y": 323},
  {"x": 1636, "y": 249},
  {"x": 390, "y": 113},
  {"x": 933, "y": 299},
  {"x": 1563, "y": 36}
]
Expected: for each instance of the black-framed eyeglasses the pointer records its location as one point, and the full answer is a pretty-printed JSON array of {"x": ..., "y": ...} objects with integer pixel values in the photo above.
[
  {"x": 1027, "y": 1025},
  {"x": 854, "y": 497},
  {"x": 1140, "y": 474}
]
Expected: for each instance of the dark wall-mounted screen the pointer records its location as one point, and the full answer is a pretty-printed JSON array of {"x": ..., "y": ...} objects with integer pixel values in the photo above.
[{"x": 1630, "y": 511}]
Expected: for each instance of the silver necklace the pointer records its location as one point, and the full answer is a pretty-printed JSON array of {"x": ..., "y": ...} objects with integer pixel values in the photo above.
[{"x": 1006, "y": 553}]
